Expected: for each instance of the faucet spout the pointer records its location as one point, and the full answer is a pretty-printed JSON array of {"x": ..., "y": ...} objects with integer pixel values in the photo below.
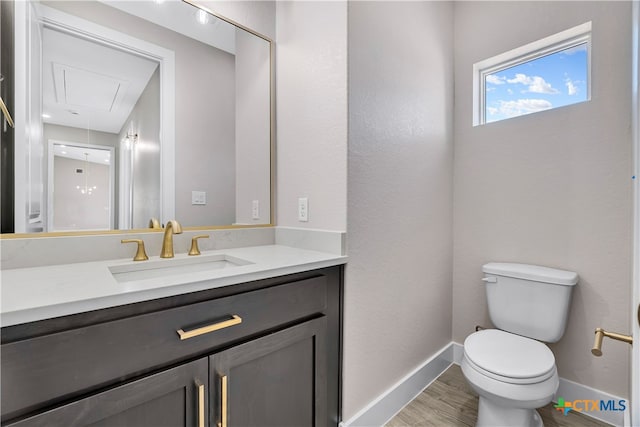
[{"x": 173, "y": 227}]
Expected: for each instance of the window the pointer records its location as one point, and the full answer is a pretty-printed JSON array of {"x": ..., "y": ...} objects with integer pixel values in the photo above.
[{"x": 546, "y": 74}]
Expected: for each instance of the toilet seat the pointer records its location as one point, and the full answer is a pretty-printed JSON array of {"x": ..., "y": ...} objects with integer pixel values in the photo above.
[{"x": 509, "y": 358}]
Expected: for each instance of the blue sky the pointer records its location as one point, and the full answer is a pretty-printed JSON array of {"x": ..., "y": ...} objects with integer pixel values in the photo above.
[{"x": 548, "y": 82}]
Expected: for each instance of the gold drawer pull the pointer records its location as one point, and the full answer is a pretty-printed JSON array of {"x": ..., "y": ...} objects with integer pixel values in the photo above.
[
  {"x": 223, "y": 401},
  {"x": 201, "y": 419},
  {"x": 235, "y": 320}
]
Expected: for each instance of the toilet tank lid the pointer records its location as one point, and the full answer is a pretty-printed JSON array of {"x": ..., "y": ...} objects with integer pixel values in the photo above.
[{"x": 532, "y": 272}]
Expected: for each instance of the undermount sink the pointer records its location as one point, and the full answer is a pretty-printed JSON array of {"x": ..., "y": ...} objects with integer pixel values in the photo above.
[{"x": 174, "y": 266}]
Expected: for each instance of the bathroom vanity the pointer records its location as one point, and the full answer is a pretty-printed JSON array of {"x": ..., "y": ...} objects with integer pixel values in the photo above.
[{"x": 214, "y": 353}]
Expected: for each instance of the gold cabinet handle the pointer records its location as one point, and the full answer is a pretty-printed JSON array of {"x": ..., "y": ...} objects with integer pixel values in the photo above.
[
  {"x": 194, "y": 244},
  {"x": 235, "y": 320},
  {"x": 140, "y": 255},
  {"x": 223, "y": 401},
  {"x": 201, "y": 419}
]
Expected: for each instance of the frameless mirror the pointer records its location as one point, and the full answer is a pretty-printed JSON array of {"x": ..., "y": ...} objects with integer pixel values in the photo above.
[{"x": 132, "y": 110}]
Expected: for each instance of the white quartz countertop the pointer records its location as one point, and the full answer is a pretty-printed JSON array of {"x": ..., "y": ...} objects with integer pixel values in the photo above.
[{"x": 30, "y": 294}]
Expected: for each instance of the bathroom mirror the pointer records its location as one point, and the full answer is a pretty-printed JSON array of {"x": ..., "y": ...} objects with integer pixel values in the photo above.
[{"x": 132, "y": 110}]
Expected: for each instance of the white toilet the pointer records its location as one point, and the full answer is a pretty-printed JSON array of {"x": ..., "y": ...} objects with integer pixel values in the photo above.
[{"x": 510, "y": 369}]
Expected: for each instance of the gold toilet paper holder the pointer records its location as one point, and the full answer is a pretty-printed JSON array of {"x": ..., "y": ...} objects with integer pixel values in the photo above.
[{"x": 601, "y": 333}]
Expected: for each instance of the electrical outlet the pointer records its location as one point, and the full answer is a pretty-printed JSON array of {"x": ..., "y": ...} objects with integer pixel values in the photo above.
[
  {"x": 198, "y": 197},
  {"x": 255, "y": 209},
  {"x": 303, "y": 209}
]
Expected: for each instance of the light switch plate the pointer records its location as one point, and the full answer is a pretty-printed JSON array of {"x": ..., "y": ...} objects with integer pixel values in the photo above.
[
  {"x": 303, "y": 209},
  {"x": 255, "y": 209},
  {"x": 198, "y": 197}
]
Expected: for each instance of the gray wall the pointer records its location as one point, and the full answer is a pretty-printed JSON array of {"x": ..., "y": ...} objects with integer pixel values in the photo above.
[
  {"x": 144, "y": 121},
  {"x": 398, "y": 282},
  {"x": 253, "y": 127},
  {"x": 205, "y": 143},
  {"x": 551, "y": 188},
  {"x": 83, "y": 136},
  {"x": 311, "y": 79}
]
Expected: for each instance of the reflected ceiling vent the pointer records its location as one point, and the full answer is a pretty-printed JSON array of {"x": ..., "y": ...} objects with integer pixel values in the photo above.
[{"x": 83, "y": 88}]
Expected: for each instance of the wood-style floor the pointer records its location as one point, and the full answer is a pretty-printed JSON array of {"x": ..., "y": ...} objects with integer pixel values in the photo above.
[{"x": 449, "y": 401}]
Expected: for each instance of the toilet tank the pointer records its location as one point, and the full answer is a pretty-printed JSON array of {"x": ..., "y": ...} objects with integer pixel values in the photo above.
[{"x": 529, "y": 300}]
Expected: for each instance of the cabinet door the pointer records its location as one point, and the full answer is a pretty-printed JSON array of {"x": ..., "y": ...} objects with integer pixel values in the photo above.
[
  {"x": 277, "y": 380},
  {"x": 175, "y": 397}
]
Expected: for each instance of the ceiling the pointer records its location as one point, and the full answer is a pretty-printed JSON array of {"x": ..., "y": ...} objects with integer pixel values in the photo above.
[{"x": 89, "y": 85}]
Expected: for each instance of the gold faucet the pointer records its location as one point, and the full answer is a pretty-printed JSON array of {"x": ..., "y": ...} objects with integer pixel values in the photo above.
[{"x": 173, "y": 227}]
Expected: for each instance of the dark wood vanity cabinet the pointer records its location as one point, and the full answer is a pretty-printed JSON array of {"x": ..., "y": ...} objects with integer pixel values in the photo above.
[
  {"x": 263, "y": 353},
  {"x": 173, "y": 397},
  {"x": 277, "y": 380}
]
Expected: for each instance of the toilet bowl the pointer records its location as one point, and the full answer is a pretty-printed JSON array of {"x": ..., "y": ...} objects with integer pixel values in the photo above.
[
  {"x": 511, "y": 368},
  {"x": 512, "y": 375}
]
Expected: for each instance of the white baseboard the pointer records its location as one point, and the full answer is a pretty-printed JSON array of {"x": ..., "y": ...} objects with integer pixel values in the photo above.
[
  {"x": 389, "y": 403},
  {"x": 458, "y": 350},
  {"x": 571, "y": 391}
]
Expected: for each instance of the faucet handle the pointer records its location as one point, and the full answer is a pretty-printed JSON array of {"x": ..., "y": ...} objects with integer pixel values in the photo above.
[
  {"x": 140, "y": 255},
  {"x": 154, "y": 223},
  {"x": 194, "y": 244}
]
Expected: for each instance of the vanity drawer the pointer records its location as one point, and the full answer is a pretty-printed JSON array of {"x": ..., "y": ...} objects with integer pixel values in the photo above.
[{"x": 50, "y": 369}]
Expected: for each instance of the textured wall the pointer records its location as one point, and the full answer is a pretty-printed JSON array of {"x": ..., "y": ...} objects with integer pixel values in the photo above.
[
  {"x": 311, "y": 62},
  {"x": 398, "y": 283},
  {"x": 552, "y": 188}
]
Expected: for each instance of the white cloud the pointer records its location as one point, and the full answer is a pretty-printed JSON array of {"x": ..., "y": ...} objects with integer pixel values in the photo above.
[
  {"x": 536, "y": 84},
  {"x": 520, "y": 78},
  {"x": 509, "y": 91},
  {"x": 493, "y": 79},
  {"x": 522, "y": 106},
  {"x": 572, "y": 89},
  {"x": 492, "y": 110}
]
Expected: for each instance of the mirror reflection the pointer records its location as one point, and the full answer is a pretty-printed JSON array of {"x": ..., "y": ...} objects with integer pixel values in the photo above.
[
  {"x": 81, "y": 186},
  {"x": 136, "y": 110}
]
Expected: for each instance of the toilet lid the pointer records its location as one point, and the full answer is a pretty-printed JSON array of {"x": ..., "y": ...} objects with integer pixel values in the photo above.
[{"x": 508, "y": 355}]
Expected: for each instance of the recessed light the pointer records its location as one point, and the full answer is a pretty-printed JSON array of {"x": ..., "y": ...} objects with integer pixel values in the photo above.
[
  {"x": 46, "y": 116},
  {"x": 74, "y": 112},
  {"x": 63, "y": 152}
]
